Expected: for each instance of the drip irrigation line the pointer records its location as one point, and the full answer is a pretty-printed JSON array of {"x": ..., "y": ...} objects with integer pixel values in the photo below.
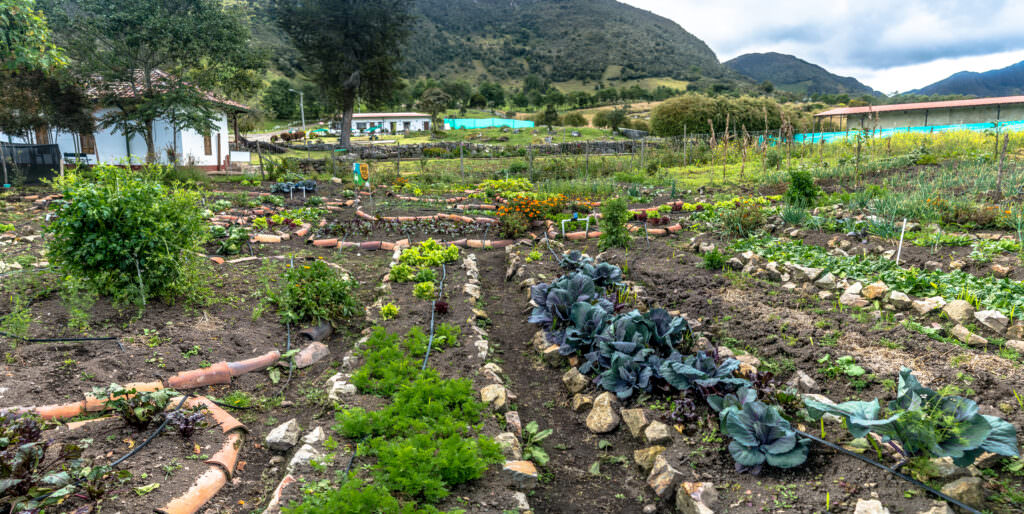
[
  {"x": 433, "y": 310},
  {"x": 58, "y": 339},
  {"x": 128, "y": 455},
  {"x": 879, "y": 465}
]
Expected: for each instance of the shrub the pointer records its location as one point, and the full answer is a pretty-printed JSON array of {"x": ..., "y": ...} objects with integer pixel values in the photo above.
[
  {"x": 794, "y": 214},
  {"x": 574, "y": 119},
  {"x": 435, "y": 152},
  {"x": 744, "y": 219},
  {"x": 123, "y": 229},
  {"x": 315, "y": 293},
  {"x": 714, "y": 260},
  {"x": 773, "y": 159},
  {"x": 614, "y": 216},
  {"x": 802, "y": 190}
]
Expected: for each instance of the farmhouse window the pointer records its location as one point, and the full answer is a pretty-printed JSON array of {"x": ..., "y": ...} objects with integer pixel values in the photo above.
[
  {"x": 407, "y": 125},
  {"x": 360, "y": 126},
  {"x": 87, "y": 143},
  {"x": 207, "y": 144}
]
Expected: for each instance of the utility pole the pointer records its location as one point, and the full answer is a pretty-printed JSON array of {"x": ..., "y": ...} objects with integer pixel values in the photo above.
[{"x": 302, "y": 112}]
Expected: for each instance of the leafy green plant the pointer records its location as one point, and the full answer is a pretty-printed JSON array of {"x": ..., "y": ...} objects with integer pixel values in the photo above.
[
  {"x": 802, "y": 190},
  {"x": 18, "y": 320},
  {"x": 702, "y": 371},
  {"x": 532, "y": 449},
  {"x": 260, "y": 224},
  {"x": 136, "y": 408},
  {"x": 424, "y": 291},
  {"x": 742, "y": 220},
  {"x": 614, "y": 216},
  {"x": 124, "y": 230},
  {"x": 388, "y": 311},
  {"x": 926, "y": 422},
  {"x": 425, "y": 275},
  {"x": 713, "y": 260},
  {"x": 234, "y": 238},
  {"x": 429, "y": 253},
  {"x": 533, "y": 256},
  {"x": 761, "y": 436},
  {"x": 845, "y": 365},
  {"x": 6, "y": 227},
  {"x": 28, "y": 482},
  {"x": 390, "y": 362},
  {"x": 313, "y": 292},
  {"x": 401, "y": 273}
]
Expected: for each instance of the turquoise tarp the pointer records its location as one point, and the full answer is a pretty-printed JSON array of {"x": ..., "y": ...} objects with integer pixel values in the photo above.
[
  {"x": 479, "y": 123},
  {"x": 829, "y": 137}
]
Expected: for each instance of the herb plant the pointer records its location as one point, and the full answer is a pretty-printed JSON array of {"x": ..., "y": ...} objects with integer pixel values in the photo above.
[{"x": 313, "y": 293}]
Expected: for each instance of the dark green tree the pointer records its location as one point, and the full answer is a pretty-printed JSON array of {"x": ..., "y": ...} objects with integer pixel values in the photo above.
[
  {"x": 153, "y": 59},
  {"x": 352, "y": 47},
  {"x": 549, "y": 117},
  {"x": 282, "y": 103},
  {"x": 25, "y": 39},
  {"x": 434, "y": 101}
]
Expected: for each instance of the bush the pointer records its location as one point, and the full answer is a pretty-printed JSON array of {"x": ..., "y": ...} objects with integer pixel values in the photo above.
[
  {"x": 435, "y": 152},
  {"x": 574, "y": 119},
  {"x": 313, "y": 293},
  {"x": 802, "y": 190},
  {"x": 123, "y": 229},
  {"x": 744, "y": 219},
  {"x": 714, "y": 260},
  {"x": 614, "y": 216}
]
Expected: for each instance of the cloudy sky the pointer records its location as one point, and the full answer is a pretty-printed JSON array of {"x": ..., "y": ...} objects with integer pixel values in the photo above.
[{"x": 888, "y": 45}]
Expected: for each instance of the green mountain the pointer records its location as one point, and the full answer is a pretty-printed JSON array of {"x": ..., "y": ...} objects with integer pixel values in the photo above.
[
  {"x": 1006, "y": 81},
  {"x": 559, "y": 40},
  {"x": 789, "y": 73}
]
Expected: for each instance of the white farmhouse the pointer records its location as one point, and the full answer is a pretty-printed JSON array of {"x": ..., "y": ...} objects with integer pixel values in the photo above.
[
  {"x": 390, "y": 122},
  {"x": 208, "y": 152}
]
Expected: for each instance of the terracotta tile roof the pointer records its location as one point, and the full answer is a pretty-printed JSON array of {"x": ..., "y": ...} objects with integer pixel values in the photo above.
[
  {"x": 974, "y": 102},
  {"x": 389, "y": 115},
  {"x": 97, "y": 89}
]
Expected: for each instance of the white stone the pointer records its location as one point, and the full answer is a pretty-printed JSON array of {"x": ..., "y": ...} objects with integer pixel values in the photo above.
[
  {"x": 315, "y": 436},
  {"x": 870, "y": 507},
  {"x": 284, "y": 436}
]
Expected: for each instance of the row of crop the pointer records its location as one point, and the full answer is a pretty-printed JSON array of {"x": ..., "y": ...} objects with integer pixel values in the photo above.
[
  {"x": 585, "y": 313},
  {"x": 1002, "y": 294}
]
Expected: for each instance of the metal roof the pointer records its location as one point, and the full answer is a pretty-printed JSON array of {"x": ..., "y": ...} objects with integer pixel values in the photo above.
[
  {"x": 949, "y": 104},
  {"x": 389, "y": 115}
]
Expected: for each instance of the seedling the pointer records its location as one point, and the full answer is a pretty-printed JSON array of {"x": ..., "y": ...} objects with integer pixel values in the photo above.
[{"x": 532, "y": 437}]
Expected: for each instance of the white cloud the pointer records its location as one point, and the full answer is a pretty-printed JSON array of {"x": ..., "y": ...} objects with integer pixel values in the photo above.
[{"x": 887, "y": 45}]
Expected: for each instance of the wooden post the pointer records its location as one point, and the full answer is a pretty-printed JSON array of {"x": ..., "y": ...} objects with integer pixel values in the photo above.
[
  {"x": 684, "y": 146},
  {"x": 725, "y": 148},
  {"x": 643, "y": 143},
  {"x": 586, "y": 148},
  {"x": 711, "y": 146},
  {"x": 462, "y": 167},
  {"x": 746, "y": 141},
  {"x": 1002, "y": 159},
  {"x": 260, "y": 154}
]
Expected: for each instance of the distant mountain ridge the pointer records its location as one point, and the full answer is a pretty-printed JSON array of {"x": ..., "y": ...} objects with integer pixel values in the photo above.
[
  {"x": 1006, "y": 81},
  {"x": 790, "y": 73}
]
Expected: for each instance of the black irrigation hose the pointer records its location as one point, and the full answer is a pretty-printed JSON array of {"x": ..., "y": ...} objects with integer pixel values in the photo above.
[
  {"x": 433, "y": 310},
  {"x": 59, "y": 339},
  {"x": 879, "y": 465},
  {"x": 128, "y": 455}
]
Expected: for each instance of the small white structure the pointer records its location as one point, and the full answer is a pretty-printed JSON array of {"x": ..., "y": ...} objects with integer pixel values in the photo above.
[
  {"x": 390, "y": 122},
  {"x": 208, "y": 152}
]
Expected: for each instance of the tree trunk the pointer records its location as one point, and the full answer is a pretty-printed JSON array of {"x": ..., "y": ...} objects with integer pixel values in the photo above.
[
  {"x": 150, "y": 144},
  {"x": 347, "y": 106}
]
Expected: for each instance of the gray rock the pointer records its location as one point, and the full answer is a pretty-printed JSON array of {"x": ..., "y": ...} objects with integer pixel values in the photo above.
[
  {"x": 315, "y": 436},
  {"x": 471, "y": 290},
  {"x": 826, "y": 281},
  {"x": 580, "y": 402},
  {"x": 650, "y": 508},
  {"x": 852, "y": 300},
  {"x": 926, "y": 305},
  {"x": 875, "y": 290},
  {"x": 825, "y": 295},
  {"x": 804, "y": 273},
  {"x": 734, "y": 264},
  {"x": 521, "y": 473},
  {"x": 706, "y": 247},
  {"x": 993, "y": 319},
  {"x": 854, "y": 288},
  {"x": 574, "y": 381},
  {"x": 870, "y": 507},
  {"x": 340, "y": 388},
  {"x": 959, "y": 311},
  {"x": 522, "y": 503},
  {"x": 658, "y": 433},
  {"x": 934, "y": 266},
  {"x": 644, "y": 457},
  {"x": 899, "y": 300},
  {"x": 305, "y": 454},
  {"x": 603, "y": 418},
  {"x": 938, "y": 507},
  {"x": 496, "y": 396},
  {"x": 509, "y": 445},
  {"x": 967, "y": 490},
  {"x": 1016, "y": 345},
  {"x": 636, "y": 421},
  {"x": 696, "y": 497},
  {"x": 803, "y": 382},
  {"x": 945, "y": 468},
  {"x": 664, "y": 478},
  {"x": 284, "y": 436}
]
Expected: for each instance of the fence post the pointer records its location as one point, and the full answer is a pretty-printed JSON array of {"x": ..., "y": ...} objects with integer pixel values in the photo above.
[
  {"x": 398, "y": 159},
  {"x": 684, "y": 146},
  {"x": 260, "y": 154},
  {"x": 462, "y": 168}
]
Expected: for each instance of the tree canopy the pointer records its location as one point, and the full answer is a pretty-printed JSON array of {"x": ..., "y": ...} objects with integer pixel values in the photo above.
[
  {"x": 154, "y": 59},
  {"x": 352, "y": 47},
  {"x": 25, "y": 40}
]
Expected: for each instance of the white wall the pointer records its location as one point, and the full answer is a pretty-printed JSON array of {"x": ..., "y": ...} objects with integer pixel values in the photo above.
[
  {"x": 113, "y": 148},
  {"x": 416, "y": 124}
]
